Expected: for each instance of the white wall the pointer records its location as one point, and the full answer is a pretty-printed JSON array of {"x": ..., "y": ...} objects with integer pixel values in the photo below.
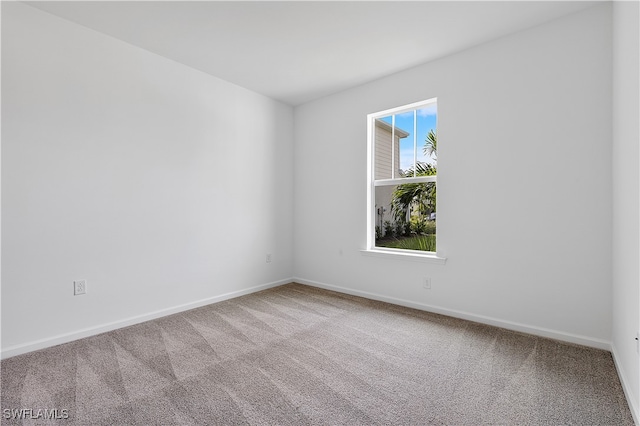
[
  {"x": 158, "y": 184},
  {"x": 524, "y": 208},
  {"x": 626, "y": 190}
]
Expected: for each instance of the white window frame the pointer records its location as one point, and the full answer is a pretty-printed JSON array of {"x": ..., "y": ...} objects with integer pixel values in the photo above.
[{"x": 371, "y": 249}]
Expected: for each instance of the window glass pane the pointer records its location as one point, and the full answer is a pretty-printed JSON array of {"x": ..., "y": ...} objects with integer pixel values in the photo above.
[
  {"x": 426, "y": 134},
  {"x": 404, "y": 133},
  {"x": 414, "y": 141},
  {"x": 386, "y": 152},
  {"x": 405, "y": 216}
]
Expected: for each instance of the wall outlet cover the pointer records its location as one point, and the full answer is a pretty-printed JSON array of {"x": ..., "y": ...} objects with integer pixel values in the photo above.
[
  {"x": 426, "y": 283},
  {"x": 79, "y": 287}
]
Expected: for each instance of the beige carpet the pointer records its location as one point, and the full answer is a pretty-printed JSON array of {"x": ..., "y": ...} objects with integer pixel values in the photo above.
[{"x": 297, "y": 355}]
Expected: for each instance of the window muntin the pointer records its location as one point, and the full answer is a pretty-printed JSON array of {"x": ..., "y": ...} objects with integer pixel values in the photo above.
[{"x": 402, "y": 178}]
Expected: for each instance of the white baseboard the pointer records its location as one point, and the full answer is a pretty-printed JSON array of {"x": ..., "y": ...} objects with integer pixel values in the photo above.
[
  {"x": 92, "y": 331},
  {"x": 633, "y": 403},
  {"x": 509, "y": 325}
]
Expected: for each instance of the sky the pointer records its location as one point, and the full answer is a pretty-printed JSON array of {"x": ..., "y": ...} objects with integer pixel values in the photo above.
[{"x": 426, "y": 121}]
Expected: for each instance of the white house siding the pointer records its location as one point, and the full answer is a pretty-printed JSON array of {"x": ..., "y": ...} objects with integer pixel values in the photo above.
[
  {"x": 383, "y": 155},
  {"x": 383, "y": 160}
]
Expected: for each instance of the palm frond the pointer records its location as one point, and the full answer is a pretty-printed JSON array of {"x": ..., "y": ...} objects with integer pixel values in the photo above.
[{"x": 431, "y": 145}]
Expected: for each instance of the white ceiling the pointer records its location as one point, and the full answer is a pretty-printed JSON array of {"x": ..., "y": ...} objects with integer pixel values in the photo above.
[{"x": 299, "y": 51}]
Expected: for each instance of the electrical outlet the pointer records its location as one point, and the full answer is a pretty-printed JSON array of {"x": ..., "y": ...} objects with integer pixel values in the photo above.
[
  {"x": 426, "y": 283},
  {"x": 268, "y": 258},
  {"x": 79, "y": 287}
]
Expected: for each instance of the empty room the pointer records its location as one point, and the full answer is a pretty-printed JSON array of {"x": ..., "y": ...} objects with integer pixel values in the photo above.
[{"x": 239, "y": 213}]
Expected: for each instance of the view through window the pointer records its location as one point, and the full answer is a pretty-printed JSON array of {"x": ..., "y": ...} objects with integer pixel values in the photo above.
[{"x": 403, "y": 150}]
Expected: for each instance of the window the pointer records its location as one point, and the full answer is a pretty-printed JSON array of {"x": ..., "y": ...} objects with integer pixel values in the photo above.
[{"x": 402, "y": 174}]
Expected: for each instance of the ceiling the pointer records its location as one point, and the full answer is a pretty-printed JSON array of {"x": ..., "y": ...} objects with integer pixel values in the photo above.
[{"x": 299, "y": 51}]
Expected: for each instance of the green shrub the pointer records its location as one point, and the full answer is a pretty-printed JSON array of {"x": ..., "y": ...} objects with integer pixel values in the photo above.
[
  {"x": 388, "y": 229},
  {"x": 418, "y": 225},
  {"x": 430, "y": 227}
]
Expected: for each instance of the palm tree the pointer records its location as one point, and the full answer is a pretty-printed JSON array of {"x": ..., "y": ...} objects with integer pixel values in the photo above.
[{"x": 417, "y": 197}]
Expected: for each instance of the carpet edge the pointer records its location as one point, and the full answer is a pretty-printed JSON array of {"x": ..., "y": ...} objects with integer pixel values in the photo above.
[
  {"x": 509, "y": 325},
  {"x": 633, "y": 405},
  {"x": 92, "y": 331}
]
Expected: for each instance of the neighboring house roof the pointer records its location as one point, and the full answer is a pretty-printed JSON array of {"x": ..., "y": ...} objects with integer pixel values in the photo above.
[{"x": 398, "y": 132}]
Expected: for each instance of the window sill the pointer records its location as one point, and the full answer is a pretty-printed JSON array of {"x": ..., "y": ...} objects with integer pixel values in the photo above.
[{"x": 410, "y": 255}]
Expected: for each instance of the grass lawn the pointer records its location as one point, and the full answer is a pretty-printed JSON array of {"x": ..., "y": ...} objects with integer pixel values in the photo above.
[{"x": 417, "y": 242}]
